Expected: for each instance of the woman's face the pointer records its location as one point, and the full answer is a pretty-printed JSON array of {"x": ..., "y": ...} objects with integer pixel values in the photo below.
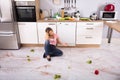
[{"x": 51, "y": 33}]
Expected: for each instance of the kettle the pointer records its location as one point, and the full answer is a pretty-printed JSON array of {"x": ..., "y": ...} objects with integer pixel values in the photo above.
[{"x": 109, "y": 7}]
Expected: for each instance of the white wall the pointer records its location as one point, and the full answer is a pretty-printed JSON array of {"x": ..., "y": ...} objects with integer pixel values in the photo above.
[{"x": 86, "y": 7}]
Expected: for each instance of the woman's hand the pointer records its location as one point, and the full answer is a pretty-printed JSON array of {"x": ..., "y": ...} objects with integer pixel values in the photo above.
[{"x": 64, "y": 44}]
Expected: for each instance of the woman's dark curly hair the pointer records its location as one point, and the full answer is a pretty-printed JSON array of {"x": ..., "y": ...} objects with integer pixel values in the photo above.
[{"x": 48, "y": 29}]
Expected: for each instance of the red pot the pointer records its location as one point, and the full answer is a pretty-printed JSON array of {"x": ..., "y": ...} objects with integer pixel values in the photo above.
[{"x": 109, "y": 7}]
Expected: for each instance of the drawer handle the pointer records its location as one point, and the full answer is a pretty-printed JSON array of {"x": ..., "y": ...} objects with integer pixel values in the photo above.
[
  {"x": 89, "y": 24},
  {"x": 90, "y": 28},
  {"x": 51, "y": 24},
  {"x": 66, "y": 24},
  {"x": 88, "y": 37}
]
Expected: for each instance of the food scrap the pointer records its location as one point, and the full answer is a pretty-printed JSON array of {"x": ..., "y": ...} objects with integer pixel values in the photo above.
[
  {"x": 28, "y": 56},
  {"x": 96, "y": 72},
  {"x": 29, "y": 59},
  {"x": 89, "y": 61},
  {"x": 32, "y": 50},
  {"x": 69, "y": 67},
  {"x": 57, "y": 77}
]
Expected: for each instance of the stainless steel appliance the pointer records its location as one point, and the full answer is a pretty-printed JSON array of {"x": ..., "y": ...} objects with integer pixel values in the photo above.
[
  {"x": 25, "y": 11},
  {"x": 9, "y": 37}
]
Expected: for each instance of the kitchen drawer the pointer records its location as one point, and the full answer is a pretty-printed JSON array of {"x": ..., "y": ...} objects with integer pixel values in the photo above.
[
  {"x": 90, "y": 24},
  {"x": 89, "y": 31},
  {"x": 47, "y": 24},
  {"x": 91, "y": 28},
  {"x": 88, "y": 39}
]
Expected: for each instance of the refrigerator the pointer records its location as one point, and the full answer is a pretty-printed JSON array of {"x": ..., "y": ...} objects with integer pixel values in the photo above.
[{"x": 9, "y": 35}]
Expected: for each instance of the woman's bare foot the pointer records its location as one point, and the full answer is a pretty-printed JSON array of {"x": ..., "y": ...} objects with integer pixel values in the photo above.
[{"x": 48, "y": 58}]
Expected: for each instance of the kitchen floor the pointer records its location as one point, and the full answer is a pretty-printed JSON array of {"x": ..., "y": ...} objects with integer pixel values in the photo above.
[{"x": 76, "y": 63}]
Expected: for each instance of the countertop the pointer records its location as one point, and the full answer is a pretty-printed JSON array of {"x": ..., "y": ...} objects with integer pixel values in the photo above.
[
  {"x": 114, "y": 25},
  {"x": 69, "y": 21}
]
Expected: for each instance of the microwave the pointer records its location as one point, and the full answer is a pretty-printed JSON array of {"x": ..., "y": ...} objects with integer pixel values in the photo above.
[{"x": 108, "y": 15}]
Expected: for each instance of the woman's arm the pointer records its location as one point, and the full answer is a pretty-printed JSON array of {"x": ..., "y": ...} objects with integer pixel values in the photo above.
[
  {"x": 59, "y": 42},
  {"x": 47, "y": 36}
]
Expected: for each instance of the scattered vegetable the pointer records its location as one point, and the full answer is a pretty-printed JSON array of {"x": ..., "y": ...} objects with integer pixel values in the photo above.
[
  {"x": 29, "y": 60},
  {"x": 96, "y": 72},
  {"x": 89, "y": 61},
  {"x": 57, "y": 77},
  {"x": 32, "y": 50},
  {"x": 28, "y": 56}
]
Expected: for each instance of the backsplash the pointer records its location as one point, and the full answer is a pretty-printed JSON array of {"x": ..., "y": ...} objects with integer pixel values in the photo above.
[{"x": 86, "y": 7}]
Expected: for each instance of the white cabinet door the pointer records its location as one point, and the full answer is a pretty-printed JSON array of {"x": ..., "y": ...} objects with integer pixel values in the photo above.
[
  {"x": 66, "y": 32},
  {"x": 89, "y": 32},
  {"x": 41, "y": 30},
  {"x": 28, "y": 32}
]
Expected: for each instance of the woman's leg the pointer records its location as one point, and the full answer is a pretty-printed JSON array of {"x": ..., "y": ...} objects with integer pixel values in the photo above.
[
  {"x": 56, "y": 52},
  {"x": 47, "y": 48}
]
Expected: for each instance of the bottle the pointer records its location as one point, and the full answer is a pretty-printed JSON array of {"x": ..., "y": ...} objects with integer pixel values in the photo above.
[
  {"x": 62, "y": 12},
  {"x": 51, "y": 13}
]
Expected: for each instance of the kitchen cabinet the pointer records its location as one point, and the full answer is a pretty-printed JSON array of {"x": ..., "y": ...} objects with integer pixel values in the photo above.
[
  {"x": 89, "y": 32},
  {"x": 66, "y": 32},
  {"x": 41, "y": 30},
  {"x": 28, "y": 32}
]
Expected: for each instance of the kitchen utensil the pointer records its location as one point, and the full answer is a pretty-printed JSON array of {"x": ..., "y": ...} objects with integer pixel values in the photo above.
[
  {"x": 71, "y": 3},
  {"x": 65, "y": 1},
  {"x": 74, "y": 4}
]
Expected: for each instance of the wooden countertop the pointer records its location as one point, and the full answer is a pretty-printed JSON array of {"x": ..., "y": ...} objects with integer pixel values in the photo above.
[
  {"x": 68, "y": 21},
  {"x": 114, "y": 25}
]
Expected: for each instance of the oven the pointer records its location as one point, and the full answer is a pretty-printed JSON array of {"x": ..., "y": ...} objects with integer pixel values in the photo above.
[{"x": 25, "y": 11}]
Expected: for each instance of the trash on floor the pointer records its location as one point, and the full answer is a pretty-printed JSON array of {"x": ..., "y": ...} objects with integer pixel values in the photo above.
[
  {"x": 45, "y": 73},
  {"x": 89, "y": 61},
  {"x": 96, "y": 72},
  {"x": 29, "y": 60},
  {"x": 32, "y": 50},
  {"x": 28, "y": 56},
  {"x": 69, "y": 67},
  {"x": 57, "y": 76}
]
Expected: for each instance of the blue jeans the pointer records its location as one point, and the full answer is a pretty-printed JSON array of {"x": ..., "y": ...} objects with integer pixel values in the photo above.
[{"x": 51, "y": 50}]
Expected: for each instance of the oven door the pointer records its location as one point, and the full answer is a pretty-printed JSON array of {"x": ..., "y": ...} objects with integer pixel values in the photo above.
[{"x": 26, "y": 13}]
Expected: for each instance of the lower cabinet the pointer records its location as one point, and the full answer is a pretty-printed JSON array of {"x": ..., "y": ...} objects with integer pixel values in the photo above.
[
  {"x": 71, "y": 33},
  {"x": 41, "y": 30},
  {"x": 28, "y": 32},
  {"x": 66, "y": 32},
  {"x": 89, "y": 32}
]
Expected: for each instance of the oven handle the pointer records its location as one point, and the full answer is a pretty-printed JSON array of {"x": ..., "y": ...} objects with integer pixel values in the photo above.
[
  {"x": 25, "y": 7},
  {"x": 6, "y": 35}
]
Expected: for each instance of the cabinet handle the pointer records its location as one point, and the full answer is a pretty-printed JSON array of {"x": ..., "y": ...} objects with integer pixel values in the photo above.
[
  {"x": 89, "y": 24},
  {"x": 51, "y": 24},
  {"x": 88, "y": 37},
  {"x": 66, "y": 24},
  {"x": 89, "y": 28}
]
